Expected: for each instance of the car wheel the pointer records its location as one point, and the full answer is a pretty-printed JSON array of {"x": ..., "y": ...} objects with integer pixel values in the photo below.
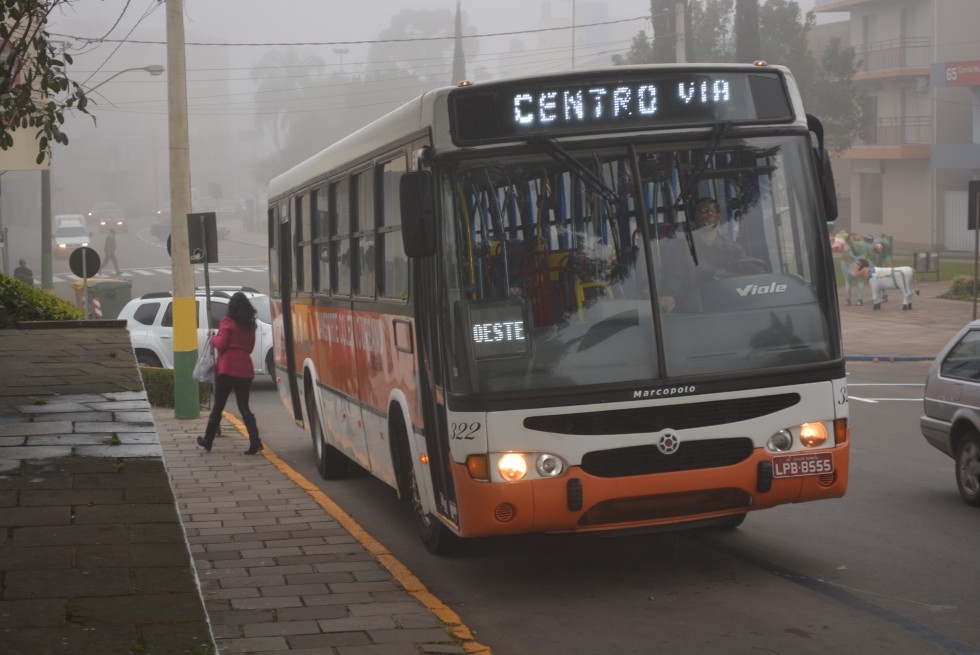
[
  {"x": 146, "y": 358},
  {"x": 331, "y": 464},
  {"x": 968, "y": 468},
  {"x": 270, "y": 366}
]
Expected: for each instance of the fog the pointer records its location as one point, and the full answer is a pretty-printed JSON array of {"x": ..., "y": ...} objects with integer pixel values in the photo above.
[{"x": 268, "y": 84}]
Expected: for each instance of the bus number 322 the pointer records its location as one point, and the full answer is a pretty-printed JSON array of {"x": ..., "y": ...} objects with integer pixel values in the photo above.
[{"x": 465, "y": 431}]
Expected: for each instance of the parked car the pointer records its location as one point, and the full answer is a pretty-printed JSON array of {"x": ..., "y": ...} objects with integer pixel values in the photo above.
[
  {"x": 149, "y": 320},
  {"x": 69, "y": 233},
  {"x": 106, "y": 215},
  {"x": 951, "y": 421}
]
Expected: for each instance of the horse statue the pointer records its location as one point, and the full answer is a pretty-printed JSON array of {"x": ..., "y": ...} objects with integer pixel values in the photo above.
[
  {"x": 882, "y": 277},
  {"x": 851, "y": 247}
]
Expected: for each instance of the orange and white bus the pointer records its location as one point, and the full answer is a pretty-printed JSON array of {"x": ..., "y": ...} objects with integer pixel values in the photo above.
[{"x": 470, "y": 302}]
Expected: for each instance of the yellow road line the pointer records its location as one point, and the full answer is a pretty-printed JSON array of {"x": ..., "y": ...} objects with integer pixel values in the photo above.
[{"x": 450, "y": 620}]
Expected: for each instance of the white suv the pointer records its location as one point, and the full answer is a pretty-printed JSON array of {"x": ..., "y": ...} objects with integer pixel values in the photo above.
[{"x": 149, "y": 320}]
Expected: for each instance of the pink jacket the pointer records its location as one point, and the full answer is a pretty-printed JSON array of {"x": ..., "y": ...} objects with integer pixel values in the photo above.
[{"x": 234, "y": 346}]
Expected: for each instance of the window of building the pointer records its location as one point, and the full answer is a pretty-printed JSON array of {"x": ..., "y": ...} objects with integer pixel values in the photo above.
[{"x": 872, "y": 198}]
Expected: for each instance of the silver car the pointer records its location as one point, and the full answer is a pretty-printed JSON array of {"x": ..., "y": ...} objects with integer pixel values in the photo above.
[{"x": 951, "y": 421}]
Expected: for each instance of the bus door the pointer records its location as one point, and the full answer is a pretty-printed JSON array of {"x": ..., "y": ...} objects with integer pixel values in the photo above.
[
  {"x": 432, "y": 389},
  {"x": 285, "y": 272}
]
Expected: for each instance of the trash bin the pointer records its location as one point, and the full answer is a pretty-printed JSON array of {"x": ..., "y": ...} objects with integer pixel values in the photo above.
[{"x": 106, "y": 296}]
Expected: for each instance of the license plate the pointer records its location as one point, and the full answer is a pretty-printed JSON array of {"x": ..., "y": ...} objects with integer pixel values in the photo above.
[{"x": 791, "y": 466}]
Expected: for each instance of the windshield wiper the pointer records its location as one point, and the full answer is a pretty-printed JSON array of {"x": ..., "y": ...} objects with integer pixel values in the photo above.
[{"x": 562, "y": 156}]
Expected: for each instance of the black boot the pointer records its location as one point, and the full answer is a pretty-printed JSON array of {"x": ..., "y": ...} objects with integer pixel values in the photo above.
[
  {"x": 205, "y": 443},
  {"x": 254, "y": 443}
]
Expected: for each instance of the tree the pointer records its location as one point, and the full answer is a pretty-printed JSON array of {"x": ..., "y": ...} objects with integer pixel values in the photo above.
[
  {"x": 783, "y": 39},
  {"x": 834, "y": 98},
  {"x": 711, "y": 30},
  {"x": 417, "y": 44},
  {"x": 34, "y": 89},
  {"x": 641, "y": 52},
  {"x": 780, "y": 34},
  {"x": 286, "y": 78}
]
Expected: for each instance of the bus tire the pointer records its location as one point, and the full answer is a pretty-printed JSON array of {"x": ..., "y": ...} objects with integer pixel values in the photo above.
[
  {"x": 331, "y": 464},
  {"x": 270, "y": 366},
  {"x": 732, "y": 522},
  {"x": 438, "y": 539}
]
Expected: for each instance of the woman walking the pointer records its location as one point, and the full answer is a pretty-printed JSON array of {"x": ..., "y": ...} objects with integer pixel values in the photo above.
[{"x": 233, "y": 343}]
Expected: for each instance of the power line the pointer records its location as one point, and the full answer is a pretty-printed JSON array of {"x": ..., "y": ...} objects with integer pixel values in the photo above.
[{"x": 363, "y": 42}]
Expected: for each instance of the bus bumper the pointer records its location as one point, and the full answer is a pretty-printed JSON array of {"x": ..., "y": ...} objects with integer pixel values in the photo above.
[{"x": 580, "y": 502}]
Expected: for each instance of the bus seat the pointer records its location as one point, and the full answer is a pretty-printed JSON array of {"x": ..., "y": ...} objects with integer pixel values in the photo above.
[{"x": 582, "y": 287}]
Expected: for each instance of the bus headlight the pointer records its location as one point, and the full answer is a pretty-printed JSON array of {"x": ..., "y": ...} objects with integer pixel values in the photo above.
[
  {"x": 549, "y": 466},
  {"x": 512, "y": 466},
  {"x": 813, "y": 435},
  {"x": 780, "y": 442}
]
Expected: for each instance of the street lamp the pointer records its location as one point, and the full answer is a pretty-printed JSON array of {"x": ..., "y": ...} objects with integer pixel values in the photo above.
[
  {"x": 47, "y": 272},
  {"x": 152, "y": 69}
]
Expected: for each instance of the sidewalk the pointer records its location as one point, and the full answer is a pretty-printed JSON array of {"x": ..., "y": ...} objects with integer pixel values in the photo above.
[{"x": 118, "y": 536}]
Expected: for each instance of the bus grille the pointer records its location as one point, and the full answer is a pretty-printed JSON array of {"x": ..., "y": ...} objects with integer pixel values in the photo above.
[
  {"x": 660, "y": 418},
  {"x": 643, "y": 460}
]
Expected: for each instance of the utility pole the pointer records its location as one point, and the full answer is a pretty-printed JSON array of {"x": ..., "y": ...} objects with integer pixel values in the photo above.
[
  {"x": 680, "y": 47},
  {"x": 186, "y": 399}
]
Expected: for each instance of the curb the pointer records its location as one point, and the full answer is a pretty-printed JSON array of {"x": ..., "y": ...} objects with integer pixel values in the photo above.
[{"x": 889, "y": 358}]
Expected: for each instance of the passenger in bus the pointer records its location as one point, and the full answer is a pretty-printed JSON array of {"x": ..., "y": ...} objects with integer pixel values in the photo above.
[
  {"x": 233, "y": 343},
  {"x": 679, "y": 290}
]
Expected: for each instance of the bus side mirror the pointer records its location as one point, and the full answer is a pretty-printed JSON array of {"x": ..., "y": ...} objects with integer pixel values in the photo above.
[
  {"x": 418, "y": 215},
  {"x": 825, "y": 172}
]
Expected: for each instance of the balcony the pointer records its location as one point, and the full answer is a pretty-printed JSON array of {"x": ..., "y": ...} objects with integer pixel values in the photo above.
[
  {"x": 894, "y": 137},
  {"x": 838, "y": 5},
  {"x": 894, "y": 58}
]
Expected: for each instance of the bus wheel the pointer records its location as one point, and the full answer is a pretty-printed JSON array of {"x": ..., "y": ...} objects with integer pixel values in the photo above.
[
  {"x": 330, "y": 462},
  {"x": 270, "y": 366},
  {"x": 438, "y": 539},
  {"x": 731, "y": 522}
]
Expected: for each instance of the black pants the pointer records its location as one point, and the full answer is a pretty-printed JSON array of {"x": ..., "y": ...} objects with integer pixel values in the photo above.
[{"x": 222, "y": 389}]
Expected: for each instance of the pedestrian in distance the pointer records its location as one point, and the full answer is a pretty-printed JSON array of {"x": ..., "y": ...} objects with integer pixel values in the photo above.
[
  {"x": 109, "y": 249},
  {"x": 233, "y": 343},
  {"x": 24, "y": 274}
]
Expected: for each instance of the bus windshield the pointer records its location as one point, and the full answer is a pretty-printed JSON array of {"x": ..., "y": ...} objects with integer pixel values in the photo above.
[{"x": 633, "y": 264}]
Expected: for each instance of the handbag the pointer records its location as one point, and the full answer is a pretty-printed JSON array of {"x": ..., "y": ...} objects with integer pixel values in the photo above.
[{"x": 204, "y": 368}]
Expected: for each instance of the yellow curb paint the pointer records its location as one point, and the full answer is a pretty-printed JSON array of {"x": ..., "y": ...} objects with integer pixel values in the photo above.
[{"x": 451, "y": 621}]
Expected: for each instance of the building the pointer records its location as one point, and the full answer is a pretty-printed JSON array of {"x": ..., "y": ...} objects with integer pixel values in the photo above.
[{"x": 921, "y": 144}]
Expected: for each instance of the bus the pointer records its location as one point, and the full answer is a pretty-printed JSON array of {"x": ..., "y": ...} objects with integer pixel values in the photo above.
[{"x": 470, "y": 302}]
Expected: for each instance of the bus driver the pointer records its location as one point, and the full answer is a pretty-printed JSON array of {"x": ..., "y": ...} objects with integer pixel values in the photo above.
[{"x": 714, "y": 250}]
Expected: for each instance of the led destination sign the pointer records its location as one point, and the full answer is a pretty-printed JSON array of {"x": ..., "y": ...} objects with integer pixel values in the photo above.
[
  {"x": 497, "y": 328},
  {"x": 639, "y": 99}
]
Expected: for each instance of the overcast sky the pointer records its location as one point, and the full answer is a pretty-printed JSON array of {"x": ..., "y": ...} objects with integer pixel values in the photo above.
[{"x": 304, "y": 21}]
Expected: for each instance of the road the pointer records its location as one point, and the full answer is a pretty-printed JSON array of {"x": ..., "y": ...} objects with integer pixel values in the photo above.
[
  {"x": 144, "y": 261},
  {"x": 888, "y": 568}
]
